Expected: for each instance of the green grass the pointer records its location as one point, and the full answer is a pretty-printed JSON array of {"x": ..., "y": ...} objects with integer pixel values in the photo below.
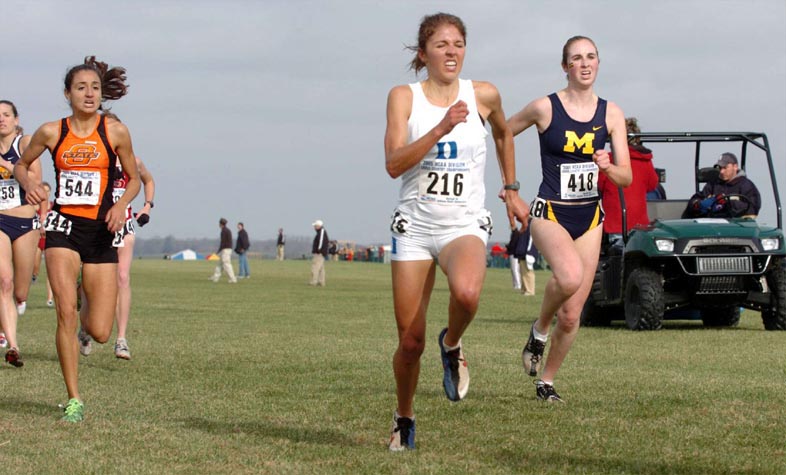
[{"x": 273, "y": 376}]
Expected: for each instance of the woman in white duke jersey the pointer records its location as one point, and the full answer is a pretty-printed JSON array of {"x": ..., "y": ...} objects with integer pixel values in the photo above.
[{"x": 436, "y": 142}]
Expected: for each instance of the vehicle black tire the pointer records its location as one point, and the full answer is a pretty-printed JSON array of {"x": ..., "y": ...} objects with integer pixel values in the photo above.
[
  {"x": 593, "y": 315},
  {"x": 721, "y": 317},
  {"x": 644, "y": 300},
  {"x": 774, "y": 317}
]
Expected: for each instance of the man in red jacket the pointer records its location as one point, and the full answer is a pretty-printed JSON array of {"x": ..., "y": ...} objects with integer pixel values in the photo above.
[{"x": 644, "y": 179}]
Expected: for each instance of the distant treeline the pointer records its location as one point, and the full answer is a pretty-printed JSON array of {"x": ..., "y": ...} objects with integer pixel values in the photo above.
[{"x": 296, "y": 247}]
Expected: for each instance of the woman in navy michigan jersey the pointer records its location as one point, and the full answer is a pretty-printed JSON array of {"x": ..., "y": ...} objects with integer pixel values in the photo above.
[
  {"x": 17, "y": 239},
  {"x": 436, "y": 142},
  {"x": 573, "y": 126}
]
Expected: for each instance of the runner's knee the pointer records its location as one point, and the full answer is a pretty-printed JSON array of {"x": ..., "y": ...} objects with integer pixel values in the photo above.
[
  {"x": 568, "y": 282},
  {"x": 411, "y": 347}
]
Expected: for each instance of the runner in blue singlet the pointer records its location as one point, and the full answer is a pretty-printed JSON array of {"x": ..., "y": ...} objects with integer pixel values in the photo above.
[{"x": 573, "y": 125}]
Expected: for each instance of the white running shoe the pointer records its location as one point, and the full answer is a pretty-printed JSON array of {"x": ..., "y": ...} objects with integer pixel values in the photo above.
[
  {"x": 3, "y": 341},
  {"x": 121, "y": 349},
  {"x": 402, "y": 435},
  {"x": 21, "y": 307},
  {"x": 85, "y": 343}
]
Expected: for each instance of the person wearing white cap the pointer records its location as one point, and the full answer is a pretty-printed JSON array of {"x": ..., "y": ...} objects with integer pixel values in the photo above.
[
  {"x": 319, "y": 252},
  {"x": 733, "y": 194}
]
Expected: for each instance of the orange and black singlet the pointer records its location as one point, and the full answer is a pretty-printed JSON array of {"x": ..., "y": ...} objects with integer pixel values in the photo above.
[{"x": 84, "y": 172}]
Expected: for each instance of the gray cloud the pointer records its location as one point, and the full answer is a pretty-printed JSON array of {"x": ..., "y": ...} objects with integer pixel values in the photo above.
[{"x": 273, "y": 112}]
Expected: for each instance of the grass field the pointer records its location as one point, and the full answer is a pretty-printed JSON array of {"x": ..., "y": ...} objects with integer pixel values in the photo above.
[{"x": 273, "y": 376}]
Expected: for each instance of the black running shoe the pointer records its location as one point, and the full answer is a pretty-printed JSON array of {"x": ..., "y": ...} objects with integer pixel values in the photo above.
[
  {"x": 402, "y": 436},
  {"x": 12, "y": 358},
  {"x": 546, "y": 392},
  {"x": 532, "y": 354}
]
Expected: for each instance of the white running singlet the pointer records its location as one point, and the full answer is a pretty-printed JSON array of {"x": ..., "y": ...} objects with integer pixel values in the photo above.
[{"x": 446, "y": 188}]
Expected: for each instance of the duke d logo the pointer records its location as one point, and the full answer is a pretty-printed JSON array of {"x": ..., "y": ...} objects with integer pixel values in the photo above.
[{"x": 80, "y": 155}]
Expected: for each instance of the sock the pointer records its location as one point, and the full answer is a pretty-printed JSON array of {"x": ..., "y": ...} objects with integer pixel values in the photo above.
[
  {"x": 397, "y": 416},
  {"x": 538, "y": 335},
  {"x": 451, "y": 348}
]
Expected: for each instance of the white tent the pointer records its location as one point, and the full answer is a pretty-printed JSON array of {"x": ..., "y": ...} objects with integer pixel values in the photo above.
[{"x": 186, "y": 255}]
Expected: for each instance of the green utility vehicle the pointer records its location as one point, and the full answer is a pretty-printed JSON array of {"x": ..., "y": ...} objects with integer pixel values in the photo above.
[{"x": 707, "y": 268}]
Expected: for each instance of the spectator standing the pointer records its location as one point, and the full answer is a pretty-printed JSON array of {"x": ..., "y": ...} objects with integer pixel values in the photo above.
[
  {"x": 645, "y": 180},
  {"x": 515, "y": 268},
  {"x": 241, "y": 247},
  {"x": 224, "y": 254},
  {"x": 280, "y": 245},
  {"x": 319, "y": 252},
  {"x": 523, "y": 252},
  {"x": 498, "y": 256}
]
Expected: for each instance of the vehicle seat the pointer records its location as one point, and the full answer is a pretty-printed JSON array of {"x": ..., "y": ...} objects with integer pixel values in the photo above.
[
  {"x": 666, "y": 209},
  {"x": 708, "y": 175}
]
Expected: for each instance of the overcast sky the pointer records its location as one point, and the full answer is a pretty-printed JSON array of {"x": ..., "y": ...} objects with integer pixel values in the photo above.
[{"x": 273, "y": 112}]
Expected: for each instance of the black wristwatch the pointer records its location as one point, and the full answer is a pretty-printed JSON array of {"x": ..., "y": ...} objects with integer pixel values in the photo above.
[
  {"x": 516, "y": 186},
  {"x": 152, "y": 205}
]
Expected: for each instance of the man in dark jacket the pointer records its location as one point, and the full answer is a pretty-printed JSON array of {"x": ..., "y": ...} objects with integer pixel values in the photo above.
[
  {"x": 225, "y": 254},
  {"x": 241, "y": 247},
  {"x": 522, "y": 250},
  {"x": 280, "y": 242},
  {"x": 732, "y": 195},
  {"x": 319, "y": 252}
]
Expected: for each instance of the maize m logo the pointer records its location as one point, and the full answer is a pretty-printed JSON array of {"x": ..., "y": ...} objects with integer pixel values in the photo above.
[
  {"x": 80, "y": 155},
  {"x": 572, "y": 142}
]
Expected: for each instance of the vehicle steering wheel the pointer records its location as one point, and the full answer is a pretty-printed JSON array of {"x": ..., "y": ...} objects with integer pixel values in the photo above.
[{"x": 737, "y": 197}]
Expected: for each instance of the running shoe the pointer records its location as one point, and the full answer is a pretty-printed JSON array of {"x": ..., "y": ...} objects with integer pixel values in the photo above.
[
  {"x": 3, "y": 341},
  {"x": 74, "y": 411},
  {"x": 50, "y": 303},
  {"x": 545, "y": 392},
  {"x": 12, "y": 358},
  {"x": 402, "y": 436},
  {"x": 456, "y": 377},
  {"x": 121, "y": 349},
  {"x": 85, "y": 343},
  {"x": 532, "y": 354},
  {"x": 21, "y": 307}
]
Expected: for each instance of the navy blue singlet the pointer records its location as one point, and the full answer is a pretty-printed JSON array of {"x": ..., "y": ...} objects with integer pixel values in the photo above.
[{"x": 563, "y": 145}]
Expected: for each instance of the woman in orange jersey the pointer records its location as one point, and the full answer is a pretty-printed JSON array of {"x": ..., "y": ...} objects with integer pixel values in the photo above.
[{"x": 83, "y": 221}]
